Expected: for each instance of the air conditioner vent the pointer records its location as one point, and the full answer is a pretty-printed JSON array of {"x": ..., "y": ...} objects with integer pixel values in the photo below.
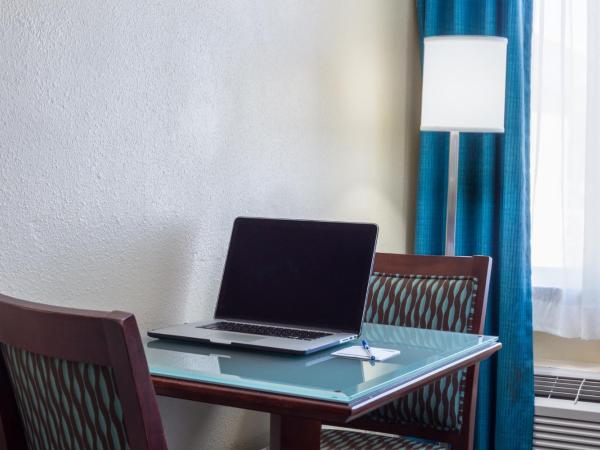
[
  {"x": 565, "y": 434},
  {"x": 567, "y": 388}
]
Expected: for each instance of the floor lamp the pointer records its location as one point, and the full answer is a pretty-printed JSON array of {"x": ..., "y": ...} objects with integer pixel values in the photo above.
[{"x": 463, "y": 91}]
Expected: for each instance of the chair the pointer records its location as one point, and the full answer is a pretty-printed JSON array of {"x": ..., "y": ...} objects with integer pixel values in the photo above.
[
  {"x": 435, "y": 292},
  {"x": 73, "y": 379}
]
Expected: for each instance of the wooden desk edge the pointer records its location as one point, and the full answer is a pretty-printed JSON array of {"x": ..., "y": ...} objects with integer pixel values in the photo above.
[{"x": 330, "y": 412}]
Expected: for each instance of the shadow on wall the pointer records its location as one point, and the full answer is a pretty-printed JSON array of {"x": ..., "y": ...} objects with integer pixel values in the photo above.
[{"x": 198, "y": 425}]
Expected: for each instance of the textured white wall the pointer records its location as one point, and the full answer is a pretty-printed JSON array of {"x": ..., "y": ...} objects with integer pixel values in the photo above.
[{"x": 133, "y": 132}]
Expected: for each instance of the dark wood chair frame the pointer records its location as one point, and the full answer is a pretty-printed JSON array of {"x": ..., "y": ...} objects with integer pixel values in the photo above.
[
  {"x": 109, "y": 339},
  {"x": 473, "y": 266}
]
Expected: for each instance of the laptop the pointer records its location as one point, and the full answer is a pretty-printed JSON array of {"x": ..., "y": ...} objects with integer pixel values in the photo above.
[{"x": 295, "y": 286}]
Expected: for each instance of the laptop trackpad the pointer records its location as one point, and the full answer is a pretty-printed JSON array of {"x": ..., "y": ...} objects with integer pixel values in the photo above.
[{"x": 225, "y": 337}]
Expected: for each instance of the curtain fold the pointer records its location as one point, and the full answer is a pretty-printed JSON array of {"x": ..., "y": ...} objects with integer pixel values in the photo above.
[
  {"x": 492, "y": 215},
  {"x": 565, "y": 168}
]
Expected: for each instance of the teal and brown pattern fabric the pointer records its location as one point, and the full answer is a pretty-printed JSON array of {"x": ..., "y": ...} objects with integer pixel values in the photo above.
[
  {"x": 421, "y": 301},
  {"x": 433, "y": 302},
  {"x": 335, "y": 439},
  {"x": 437, "y": 405},
  {"x": 65, "y": 405}
]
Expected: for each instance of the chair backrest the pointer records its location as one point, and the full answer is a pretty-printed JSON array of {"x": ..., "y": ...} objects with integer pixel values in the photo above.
[
  {"x": 434, "y": 292},
  {"x": 73, "y": 379}
]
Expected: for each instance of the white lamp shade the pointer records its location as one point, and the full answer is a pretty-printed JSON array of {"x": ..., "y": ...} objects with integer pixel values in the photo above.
[{"x": 463, "y": 83}]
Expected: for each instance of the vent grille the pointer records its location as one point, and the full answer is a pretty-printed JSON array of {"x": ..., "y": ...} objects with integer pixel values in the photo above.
[
  {"x": 550, "y": 433},
  {"x": 567, "y": 388}
]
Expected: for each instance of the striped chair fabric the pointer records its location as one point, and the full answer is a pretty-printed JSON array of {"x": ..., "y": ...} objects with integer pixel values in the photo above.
[
  {"x": 433, "y": 302},
  {"x": 65, "y": 405},
  {"x": 335, "y": 439},
  {"x": 422, "y": 301}
]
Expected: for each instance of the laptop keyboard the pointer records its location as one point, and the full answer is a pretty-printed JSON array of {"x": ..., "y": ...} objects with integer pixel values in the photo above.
[{"x": 266, "y": 331}]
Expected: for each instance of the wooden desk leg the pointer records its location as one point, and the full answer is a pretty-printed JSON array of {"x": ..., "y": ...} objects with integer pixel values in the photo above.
[{"x": 294, "y": 433}]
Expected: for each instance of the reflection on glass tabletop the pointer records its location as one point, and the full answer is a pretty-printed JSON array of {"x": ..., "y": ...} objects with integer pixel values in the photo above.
[{"x": 319, "y": 375}]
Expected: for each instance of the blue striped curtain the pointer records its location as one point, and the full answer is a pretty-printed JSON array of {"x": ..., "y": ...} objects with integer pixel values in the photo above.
[{"x": 492, "y": 215}]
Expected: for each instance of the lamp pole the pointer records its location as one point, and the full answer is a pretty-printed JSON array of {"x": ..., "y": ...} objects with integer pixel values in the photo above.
[{"x": 452, "y": 194}]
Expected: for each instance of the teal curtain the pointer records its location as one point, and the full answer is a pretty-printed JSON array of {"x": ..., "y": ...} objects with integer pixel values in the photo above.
[{"x": 492, "y": 215}]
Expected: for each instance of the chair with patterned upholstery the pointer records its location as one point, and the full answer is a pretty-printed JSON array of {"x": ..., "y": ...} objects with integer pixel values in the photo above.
[
  {"x": 73, "y": 379},
  {"x": 435, "y": 292}
]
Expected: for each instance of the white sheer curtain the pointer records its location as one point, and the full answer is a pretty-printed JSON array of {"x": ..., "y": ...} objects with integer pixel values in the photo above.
[{"x": 565, "y": 167}]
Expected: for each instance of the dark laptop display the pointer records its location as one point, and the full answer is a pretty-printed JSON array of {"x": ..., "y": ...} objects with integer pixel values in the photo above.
[
  {"x": 294, "y": 286},
  {"x": 297, "y": 273}
]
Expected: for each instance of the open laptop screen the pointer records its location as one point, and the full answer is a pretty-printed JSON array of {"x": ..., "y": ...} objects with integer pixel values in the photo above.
[{"x": 300, "y": 273}]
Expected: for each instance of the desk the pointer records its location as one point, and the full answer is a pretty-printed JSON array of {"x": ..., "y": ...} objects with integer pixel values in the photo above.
[{"x": 301, "y": 392}]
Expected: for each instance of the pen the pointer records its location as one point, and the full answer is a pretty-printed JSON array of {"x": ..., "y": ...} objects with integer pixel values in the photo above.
[{"x": 365, "y": 345}]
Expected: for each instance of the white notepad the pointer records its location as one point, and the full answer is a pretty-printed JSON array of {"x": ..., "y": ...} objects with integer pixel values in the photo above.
[{"x": 357, "y": 351}]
